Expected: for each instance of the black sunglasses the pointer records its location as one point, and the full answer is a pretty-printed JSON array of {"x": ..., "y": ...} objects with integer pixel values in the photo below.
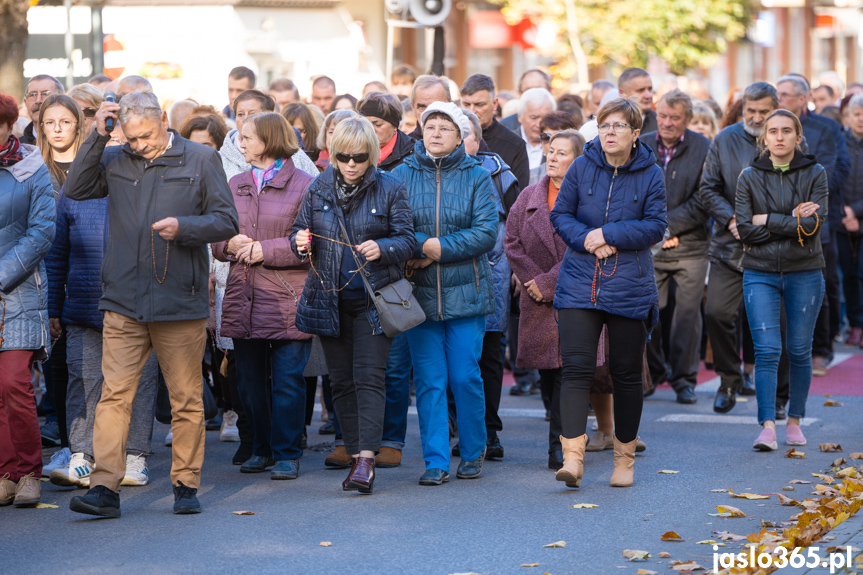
[
  {"x": 346, "y": 158},
  {"x": 89, "y": 112},
  {"x": 545, "y": 136}
]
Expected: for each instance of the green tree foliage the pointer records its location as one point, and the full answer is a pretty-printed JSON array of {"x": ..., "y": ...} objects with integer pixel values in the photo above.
[{"x": 685, "y": 33}]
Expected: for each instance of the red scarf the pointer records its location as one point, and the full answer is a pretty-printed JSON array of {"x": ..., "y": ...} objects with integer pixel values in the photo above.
[
  {"x": 388, "y": 149},
  {"x": 10, "y": 152}
]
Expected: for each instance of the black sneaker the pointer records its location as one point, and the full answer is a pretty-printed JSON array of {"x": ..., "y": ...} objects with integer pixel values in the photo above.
[
  {"x": 99, "y": 501},
  {"x": 519, "y": 389},
  {"x": 185, "y": 500},
  {"x": 50, "y": 434},
  {"x": 493, "y": 450}
]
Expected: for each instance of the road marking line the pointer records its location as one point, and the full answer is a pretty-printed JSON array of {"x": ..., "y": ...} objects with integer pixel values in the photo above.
[
  {"x": 712, "y": 385},
  {"x": 734, "y": 419}
]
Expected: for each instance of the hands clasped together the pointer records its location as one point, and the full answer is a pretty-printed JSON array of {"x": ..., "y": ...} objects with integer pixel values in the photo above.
[{"x": 595, "y": 244}]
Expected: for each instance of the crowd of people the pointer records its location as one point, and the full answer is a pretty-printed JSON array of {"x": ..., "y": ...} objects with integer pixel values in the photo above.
[{"x": 218, "y": 266}]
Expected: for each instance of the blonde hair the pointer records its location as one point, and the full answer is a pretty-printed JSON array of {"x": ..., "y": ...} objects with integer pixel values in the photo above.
[
  {"x": 334, "y": 117},
  {"x": 352, "y": 134},
  {"x": 45, "y": 146},
  {"x": 798, "y": 127},
  {"x": 704, "y": 113},
  {"x": 87, "y": 93}
]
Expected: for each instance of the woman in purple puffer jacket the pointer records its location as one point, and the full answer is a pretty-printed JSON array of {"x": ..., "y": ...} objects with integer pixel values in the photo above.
[{"x": 264, "y": 286}]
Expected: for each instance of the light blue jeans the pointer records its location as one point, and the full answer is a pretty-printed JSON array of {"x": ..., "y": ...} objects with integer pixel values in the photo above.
[
  {"x": 447, "y": 353},
  {"x": 763, "y": 294}
]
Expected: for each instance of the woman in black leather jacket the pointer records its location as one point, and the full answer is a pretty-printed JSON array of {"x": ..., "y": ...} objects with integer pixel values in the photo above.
[{"x": 781, "y": 204}]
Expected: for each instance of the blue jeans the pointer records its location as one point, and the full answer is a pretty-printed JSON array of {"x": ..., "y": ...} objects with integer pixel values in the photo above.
[
  {"x": 763, "y": 294},
  {"x": 398, "y": 384},
  {"x": 447, "y": 353},
  {"x": 277, "y": 419}
]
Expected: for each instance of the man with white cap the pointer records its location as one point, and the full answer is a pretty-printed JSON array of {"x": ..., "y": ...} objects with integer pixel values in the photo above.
[{"x": 455, "y": 222}]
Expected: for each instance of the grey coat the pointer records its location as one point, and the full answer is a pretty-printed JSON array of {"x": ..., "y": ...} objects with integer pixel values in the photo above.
[{"x": 26, "y": 231}]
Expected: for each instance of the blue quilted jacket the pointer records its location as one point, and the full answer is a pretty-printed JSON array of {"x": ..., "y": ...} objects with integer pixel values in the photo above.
[
  {"x": 26, "y": 232},
  {"x": 503, "y": 179},
  {"x": 451, "y": 199},
  {"x": 379, "y": 211},
  {"x": 75, "y": 262},
  {"x": 628, "y": 203}
]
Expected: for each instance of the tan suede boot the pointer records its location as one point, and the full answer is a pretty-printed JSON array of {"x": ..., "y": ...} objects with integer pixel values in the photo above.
[
  {"x": 338, "y": 458},
  {"x": 7, "y": 490},
  {"x": 389, "y": 457},
  {"x": 573, "y": 460},
  {"x": 624, "y": 456}
]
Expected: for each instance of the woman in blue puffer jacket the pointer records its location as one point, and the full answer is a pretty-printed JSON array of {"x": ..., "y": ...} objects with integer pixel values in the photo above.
[
  {"x": 455, "y": 221},
  {"x": 610, "y": 211}
]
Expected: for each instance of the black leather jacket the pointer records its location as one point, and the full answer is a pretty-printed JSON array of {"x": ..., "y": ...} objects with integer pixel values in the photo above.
[{"x": 777, "y": 246}]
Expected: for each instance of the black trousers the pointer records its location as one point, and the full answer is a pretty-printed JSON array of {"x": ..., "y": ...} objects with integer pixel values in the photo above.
[
  {"x": 549, "y": 379},
  {"x": 722, "y": 316},
  {"x": 579, "y": 338},
  {"x": 357, "y": 362},
  {"x": 56, "y": 375},
  {"x": 491, "y": 371},
  {"x": 829, "y": 319},
  {"x": 227, "y": 387}
]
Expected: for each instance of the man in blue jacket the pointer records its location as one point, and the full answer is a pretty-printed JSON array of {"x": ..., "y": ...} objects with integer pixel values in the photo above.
[{"x": 167, "y": 199}]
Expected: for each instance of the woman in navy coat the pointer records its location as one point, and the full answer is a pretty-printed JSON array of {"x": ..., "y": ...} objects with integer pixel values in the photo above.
[{"x": 610, "y": 212}]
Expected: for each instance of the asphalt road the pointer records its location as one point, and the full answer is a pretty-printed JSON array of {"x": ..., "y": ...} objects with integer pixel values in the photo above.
[{"x": 490, "y": 525}]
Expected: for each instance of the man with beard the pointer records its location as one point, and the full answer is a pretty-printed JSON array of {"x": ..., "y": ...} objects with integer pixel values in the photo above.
[
  {"x": 38, "y": 89},
  {"x": 733, "y": 150}
]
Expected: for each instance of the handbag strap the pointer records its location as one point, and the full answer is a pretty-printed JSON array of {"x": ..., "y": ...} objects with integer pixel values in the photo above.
[{"x": 369, "y": 289}]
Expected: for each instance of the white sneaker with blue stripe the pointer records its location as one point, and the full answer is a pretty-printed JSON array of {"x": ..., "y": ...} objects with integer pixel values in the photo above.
[
  {"x": 136, "y": 471},
  {"x": 58, "y": 461},
  {"x": 77, "y": 474}
]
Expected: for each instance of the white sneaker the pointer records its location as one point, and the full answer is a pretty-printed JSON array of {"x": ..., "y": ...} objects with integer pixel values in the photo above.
[
  {"x": 58, "y": 461},
  {"x": 169, "y": 439},
  {"x": 136, "y": 471},
  {"x": 229, "y": 432},
  {"x": 77, "y": 474}
]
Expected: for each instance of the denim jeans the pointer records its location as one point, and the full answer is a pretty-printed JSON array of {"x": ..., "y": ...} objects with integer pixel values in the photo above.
[
  {"x": 277, "y": 419},
  {"x": 398, "y": 389},
  {"x": 447, "y": 353},
  {"x": 763, "y": 294}
]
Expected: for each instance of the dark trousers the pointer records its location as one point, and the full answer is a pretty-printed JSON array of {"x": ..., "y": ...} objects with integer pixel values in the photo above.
[
  {"x": 549, "y": 379},
  {"x": 491, "y": 371},
  {"x": 579, "y": 338},
  {"x": 851, "y": 262},
  {"x": 20, "y": 441},
  {"x": 357, "y": 362},
  {"x": 57, "y": 383},
  {"x": 277, "y": 418},
  {"x": 830, "y": 317},
  {"x": 722, "y": 316},
  {"x": 227, "y": 386},
  {"x": 521, "y": 374},
  {"x": 685, "y": 332}
]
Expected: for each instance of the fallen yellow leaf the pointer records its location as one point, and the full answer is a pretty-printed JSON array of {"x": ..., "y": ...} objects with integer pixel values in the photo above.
[
  {"x": 706, "y": 542},
  {"x": 671, "y": 536},
  {"x": 664, "y": 554},
  {"x": 828, "y": 447},
  {"x": 750, "y": 496},
  {"x": 847, "y": 472},
  {"x": 645, "y": 572},
  {"x": 735, "y": 512},
  {"x": 46, "y": 506},
  {"x": 530, "y": 565},
  {"x": 689, "y": 566},
  {"x": 825, "y": 478},
  {"x": 832, "y": 403},
  {"x": 668, "y": 472},
  {"x": 326, "y": 543},
  {"x": 799, "y": 482},
  {"x": 727, "y": 536},
  {"x": 243, "y": 512},
  {"x": 771, "y": 524},
  {"x": 584, "y": 506},
  {"x": 794, "y": 453},
  {"x": 635, "y": 554},
  {"x": 555, "y": 545},
  {"x": 786, "y": 501},
  {"x": 839, "y": 462},
  {"x": 787, "y": 488},
  {"x": 857, "y": 455}
]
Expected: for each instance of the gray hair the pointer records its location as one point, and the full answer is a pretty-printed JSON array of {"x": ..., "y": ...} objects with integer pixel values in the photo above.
[
  {"x": 141, "y": 104},
  {"x": 427, "y": 81},
  {"x": 801, "y": 86},
  {"x": 759, "y": 91},
  {"x": 677, "y": 97},
  {"x": 856, "y": 101},
  {"x": 474, "y": 123},
  {"x": 333, "y": 117},
  {"x": 58, "y": 86},
  {"x": 535, "y": 97},
  {"x": 139, "y": 83}
]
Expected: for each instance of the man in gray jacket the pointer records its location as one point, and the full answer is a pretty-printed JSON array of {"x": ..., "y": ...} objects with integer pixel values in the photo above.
[{"x": 168, "y": 198}]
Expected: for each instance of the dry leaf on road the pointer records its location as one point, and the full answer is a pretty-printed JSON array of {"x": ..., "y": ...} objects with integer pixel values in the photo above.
[
  {"x": 529, "y": 565},
  {"x": 771, "y": 524},
  {"x": 719, "y": 491},
  {"x": 857, "y": 455},
  {"x": 668, "y": 472},
  {"x": 688, "y": 566},
  {"x": 786, "y": 501},
  {"x": 645, "y": 572},
  {"x": 799, "y": 482},
  {"x": 635, "y": 554},
  {"x": 663, "y": 554},
  {"x": 584, "y": 506},
  {"x": 832, "y": 403},
  {"x": 735, "y": 512},
  {"x": 555, "y": 545},
  {"x": 671, "y": 536},
  {"x": 750, "y": 496},
  {"x": 839, "y": 462},
  {"x": 825, "y": 478},
  {"x": 794, "y": 453},
  {"x": 787, "y": 488},
  {"x": 828, "y": 447},
  {"x": 243, "y": 512},
  {"x": 326, "y": 544},
  {"x": 707, "y": 542},
  {"x": 728, "y": 536},
  {"x": 46, "y": 506}
]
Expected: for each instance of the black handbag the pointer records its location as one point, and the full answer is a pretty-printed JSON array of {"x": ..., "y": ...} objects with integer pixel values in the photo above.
[
  {"x": 398, "y": 309},
  {"x": 163, "y": 402}
]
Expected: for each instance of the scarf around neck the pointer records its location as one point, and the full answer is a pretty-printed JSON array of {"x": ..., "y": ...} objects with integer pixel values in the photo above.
[
  {"x": 264, "y": 176},
  {"x": 344, "y": 190},
  {"x": 10, "y": 152}
]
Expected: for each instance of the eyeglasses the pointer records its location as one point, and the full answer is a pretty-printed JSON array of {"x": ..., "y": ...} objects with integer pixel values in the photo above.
[
  {"x": 618, "y": 128},
  {"x": 358, "y": 158},
  {"x": 89, "y": 112},
  {"x": 34, "y": 95},
  {"x": 433, "y": 129},
  {"x": 65, "y": 125},
  {"x": 546, "y": 136}
]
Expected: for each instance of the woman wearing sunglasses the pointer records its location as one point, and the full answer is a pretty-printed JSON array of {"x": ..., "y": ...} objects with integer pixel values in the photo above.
[
  {"x": 354, "y": 213},
  {"x": 610, "y": 211},
  {"x": 89, "y": 98}
]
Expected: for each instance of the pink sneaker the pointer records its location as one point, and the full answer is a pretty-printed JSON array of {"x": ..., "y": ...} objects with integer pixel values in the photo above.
[
  {"x": 794, "y": 435},
  {"x": 766, "y": 440}
]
